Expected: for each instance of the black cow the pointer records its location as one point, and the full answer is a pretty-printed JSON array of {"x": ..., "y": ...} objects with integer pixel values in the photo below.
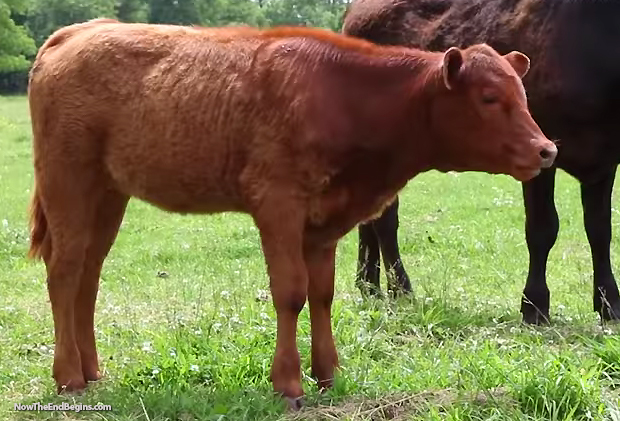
[{"x": 574, "y": 94}]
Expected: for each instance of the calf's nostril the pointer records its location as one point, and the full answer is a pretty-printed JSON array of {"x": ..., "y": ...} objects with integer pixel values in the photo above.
[{"x": 546, "y": 153}]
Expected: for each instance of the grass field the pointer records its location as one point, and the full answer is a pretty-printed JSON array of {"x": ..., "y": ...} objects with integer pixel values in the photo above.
[{"x": 184, "y": 330}]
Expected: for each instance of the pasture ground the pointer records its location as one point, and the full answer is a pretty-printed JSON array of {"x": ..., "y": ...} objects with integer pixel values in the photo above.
[{"x": 186, "y": 331}]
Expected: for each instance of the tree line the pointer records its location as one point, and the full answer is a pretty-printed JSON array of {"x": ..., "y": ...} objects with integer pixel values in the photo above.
[{"x": 25, "y": 24}]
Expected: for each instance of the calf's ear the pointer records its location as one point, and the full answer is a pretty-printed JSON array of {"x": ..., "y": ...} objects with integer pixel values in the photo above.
[
  {"x": 451, "y": 66},
  {"x": 519, "y": 61}
]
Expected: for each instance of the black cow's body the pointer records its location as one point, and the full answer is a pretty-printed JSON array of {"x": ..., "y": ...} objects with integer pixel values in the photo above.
[{"x": 574, "y": 94}]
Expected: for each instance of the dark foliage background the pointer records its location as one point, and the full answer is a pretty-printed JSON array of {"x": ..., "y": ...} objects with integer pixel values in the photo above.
[{"x": 25, "y": 24}]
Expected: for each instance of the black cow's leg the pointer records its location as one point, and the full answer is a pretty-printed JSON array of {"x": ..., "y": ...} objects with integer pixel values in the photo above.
[
  {"x": 596, "y": 200},
  {"x": 368, "y": 270},
  {"x": 541, "y": 231},
  {"x": 386, "y": 228}
]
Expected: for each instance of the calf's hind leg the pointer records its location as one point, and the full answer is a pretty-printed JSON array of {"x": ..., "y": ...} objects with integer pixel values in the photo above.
[
  {"x": 104, "y": 227},
  {"x": 69, "y": 213}
]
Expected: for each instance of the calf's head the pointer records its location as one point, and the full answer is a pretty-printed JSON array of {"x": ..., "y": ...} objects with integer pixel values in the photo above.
[{"x": 480, "y": 117}]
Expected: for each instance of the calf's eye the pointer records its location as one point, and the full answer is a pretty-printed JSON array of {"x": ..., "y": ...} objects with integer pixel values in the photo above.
[{"x": 490, "y": 99}]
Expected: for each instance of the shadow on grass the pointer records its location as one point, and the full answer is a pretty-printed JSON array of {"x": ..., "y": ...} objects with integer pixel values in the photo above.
[{"x": 439, "y": 319}]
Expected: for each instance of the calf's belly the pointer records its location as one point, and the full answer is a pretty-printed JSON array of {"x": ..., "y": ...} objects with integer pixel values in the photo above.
[{"x": 176, "y": 185}]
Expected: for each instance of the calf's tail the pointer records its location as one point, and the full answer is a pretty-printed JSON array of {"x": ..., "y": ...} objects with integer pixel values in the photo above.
[{"x": 40, "y": 242}]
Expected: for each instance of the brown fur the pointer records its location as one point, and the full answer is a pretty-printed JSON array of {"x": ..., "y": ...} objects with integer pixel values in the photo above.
[{"x": 307, "y": 131}]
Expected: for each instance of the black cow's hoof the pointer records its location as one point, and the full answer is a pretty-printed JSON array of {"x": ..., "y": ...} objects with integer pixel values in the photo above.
[
  {"x": 395, "y": 293},
  {"x": 531, "y": 316},
  {"x": 535, "y": 309},
  {"x": 610, "y": 313}
]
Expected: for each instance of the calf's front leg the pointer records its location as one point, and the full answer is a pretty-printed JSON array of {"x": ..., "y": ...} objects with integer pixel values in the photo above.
[
  {"x": 281, "y": 231},
  {"x": 320, "y": 261}
]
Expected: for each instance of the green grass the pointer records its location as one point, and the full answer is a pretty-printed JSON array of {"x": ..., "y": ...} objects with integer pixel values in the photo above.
[{"x": 198, "y": 343}]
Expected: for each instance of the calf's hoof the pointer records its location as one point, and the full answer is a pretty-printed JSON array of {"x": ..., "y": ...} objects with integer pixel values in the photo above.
[
  {"x": 92, "y": 376},
  {"x": 295, "y": 404},
  {"x": 91, "y": 371},
  {"x": 324, "y": 376},
  {"x": 68, "y": 377},
  {"x": 292, "y": 392},
  {"x": 71, "y": 386},
  {"x": 324, "y": 385}
]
